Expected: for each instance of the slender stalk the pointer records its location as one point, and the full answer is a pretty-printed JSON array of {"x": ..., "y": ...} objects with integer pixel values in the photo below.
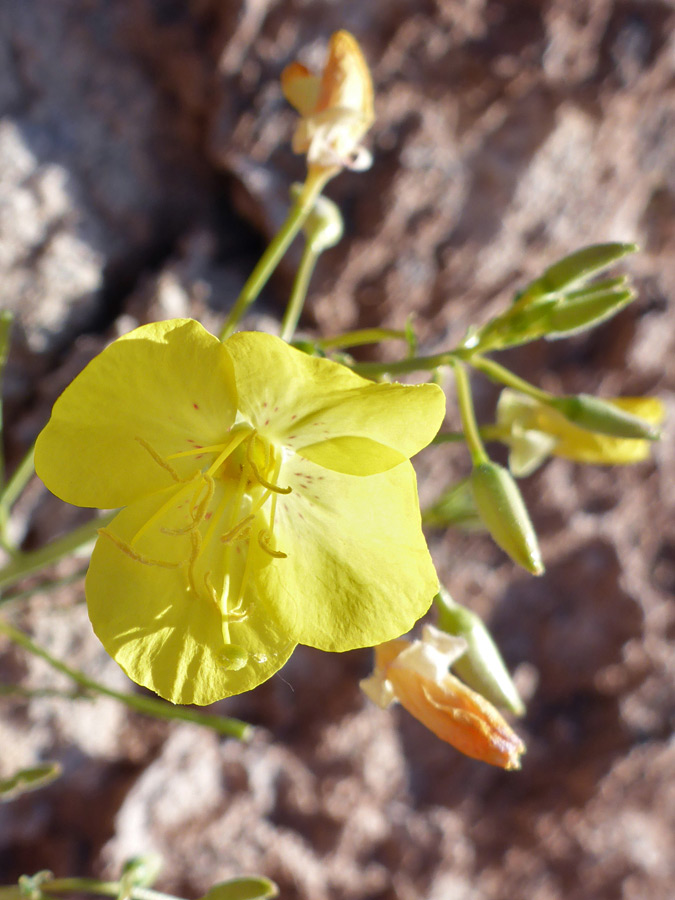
[
  {"x": 5, "y": 327},
  {"x": 22, "y": 475},
  {"x": 465, "y": 400},
  {"x": 147, "y": 705},
  {"x": 500, "y": 374},
  {"x": 298, "y": 296},
  {"x": 274, "y": 252},
  {"x": 44, "y": 587},
  {"x": 34, "y": 560},
  {"x": 487, "y": 433},
  {"x": 100, "y": 888},
  {"x": 413, "y": 364},
  {"x": 360, "y": 337}
]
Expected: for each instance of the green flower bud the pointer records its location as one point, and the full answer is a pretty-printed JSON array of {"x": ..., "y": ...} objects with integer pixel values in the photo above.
[
  {"x": 502, "y": 509},
  {"x": 518, "y": 325},
  {"x": 577, "y": 268},
  {"x": 481, "y": 666},
  {"x": 573, "y": 316},
  {"x": 598, "y": 415}
]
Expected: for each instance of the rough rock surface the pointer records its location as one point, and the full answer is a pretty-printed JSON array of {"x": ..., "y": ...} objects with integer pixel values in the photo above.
[{"x": 144, "y": 159}]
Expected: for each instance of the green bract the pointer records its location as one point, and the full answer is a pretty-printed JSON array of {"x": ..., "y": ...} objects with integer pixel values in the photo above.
[{"x": 268, "y": 501}]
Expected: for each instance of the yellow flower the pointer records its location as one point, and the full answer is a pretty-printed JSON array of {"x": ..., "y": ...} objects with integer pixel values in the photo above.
[
  {"x": 534, "y": 431},
  {"x": 336, "y": 108},
  {"x": 416, "y": 675},
  {"x": 268, "y": 500}
]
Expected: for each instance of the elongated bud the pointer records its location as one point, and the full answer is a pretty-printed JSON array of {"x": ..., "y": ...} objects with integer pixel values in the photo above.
[
  {"x": 503, "y": 511},
  {"x": 603, "y": 417},
  {"x": 481, "y": 666},
  {"x": 577, "y": 268},
  {"x": 571, "y": 316}
]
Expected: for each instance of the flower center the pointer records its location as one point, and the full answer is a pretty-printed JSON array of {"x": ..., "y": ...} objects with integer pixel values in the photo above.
[{"x": 223, "y": 515}]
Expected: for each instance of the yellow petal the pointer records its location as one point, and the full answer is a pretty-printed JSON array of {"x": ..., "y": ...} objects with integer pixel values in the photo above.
[
  {"x": 161, "y": 389},
  {"x": 301, "y": 88},
  {"x": 164, "y": 634},
  {"x": 346, "y": 81},
  {"x": 358, "y": 571},
  {"x": 311, "y": 405},
  {"x": 590, "y": 447}
]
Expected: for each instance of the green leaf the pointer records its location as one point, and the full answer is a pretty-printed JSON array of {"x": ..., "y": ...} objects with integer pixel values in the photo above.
[
  {"x": 249, "y": 888},
  {"x": 29, "y": 780}
]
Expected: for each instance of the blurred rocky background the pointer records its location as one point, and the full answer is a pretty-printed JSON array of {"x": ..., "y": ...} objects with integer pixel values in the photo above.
[{"x": 144, "y": 162}]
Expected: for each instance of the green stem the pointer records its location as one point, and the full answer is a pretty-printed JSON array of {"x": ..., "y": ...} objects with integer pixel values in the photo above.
[
  {"x": 487, "y": 433},
  {"x": 274, "y": 252},
  {"x": 22, "y": 475},
  {"x": 101, "y": 888},
  {"x": 360, "y": 337},
  {"x": 43, "y": 587},
  {"x": 147, "y": 705},
  {"x": 308, "y": 261},
  {"x": 465, "y": 400},
  {"x": 498, "y": 373},
  {"x": 6, "y": 319},
  {"x": 413, "y": 364},
  {"x": 34, "y": 560}
]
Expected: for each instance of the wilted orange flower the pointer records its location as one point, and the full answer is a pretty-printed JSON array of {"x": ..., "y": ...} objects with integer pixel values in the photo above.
[
  {"x": 415, "y": 673},
  {"x": 336, "y": 108}
]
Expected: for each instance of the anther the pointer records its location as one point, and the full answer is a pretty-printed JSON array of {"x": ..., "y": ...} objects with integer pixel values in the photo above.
[
  {"x": 264, "y": 540},
  {"x": 197, "y": 509},
  {"x": 256, "y": 471},
  {"x": 158, "y": 459},
  {"x": 236, "y": 532},
  {"x": 138, "y": 557}
]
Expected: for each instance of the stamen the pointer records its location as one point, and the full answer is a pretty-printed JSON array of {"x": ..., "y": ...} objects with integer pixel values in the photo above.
[
  {"x": 159, "y": 460},
  {"x": 197, "y": 511},
  {"x": 243, "y": 584},
  {"x": 273, "y": 504},
  {"x": 235, "y": 615},
  {"x": 173, "y": 499},
  {"x": 196, "y": 451},
  {"x": 266, "y": 484},
  {"x": 138, "y": 557},
  {"x": 229, "y": 448},
  {"x": 264, "y": 538},
  {"x": 235, "y": 532},
  {"x": 196, "y": 541}
]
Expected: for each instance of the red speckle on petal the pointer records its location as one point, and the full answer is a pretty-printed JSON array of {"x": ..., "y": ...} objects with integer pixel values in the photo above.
[
  {"x": 208, "y": 515},
  {"x": 295, "y": 416},
  {"x": 196, "y": 405},
  {"x": 267, "y": 421}
]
